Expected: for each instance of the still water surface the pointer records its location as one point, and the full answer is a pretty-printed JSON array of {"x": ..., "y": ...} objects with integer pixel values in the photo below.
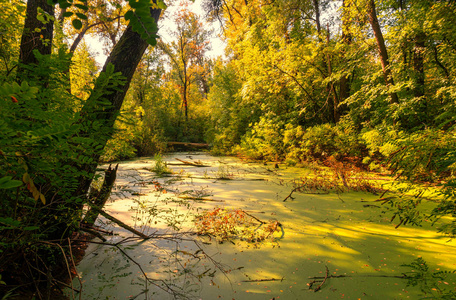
[{"x": 334, "y": 234}]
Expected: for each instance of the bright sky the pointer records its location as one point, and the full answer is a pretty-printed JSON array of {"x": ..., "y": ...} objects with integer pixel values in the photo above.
[{"x": 166, "y": 24}]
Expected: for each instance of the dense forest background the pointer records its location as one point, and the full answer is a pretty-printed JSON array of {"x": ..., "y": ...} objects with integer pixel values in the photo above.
[{"x": 364, "y": 82}]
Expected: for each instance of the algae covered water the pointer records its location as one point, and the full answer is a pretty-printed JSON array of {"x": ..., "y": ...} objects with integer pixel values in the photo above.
[{"x": 315, "y": 245}]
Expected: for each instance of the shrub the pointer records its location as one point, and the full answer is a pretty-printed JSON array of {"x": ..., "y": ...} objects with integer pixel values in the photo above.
[
  {"x": 321, "y": 142},
  {"x": 118, "y": 148},
  {"x": 264, "y": 140}
]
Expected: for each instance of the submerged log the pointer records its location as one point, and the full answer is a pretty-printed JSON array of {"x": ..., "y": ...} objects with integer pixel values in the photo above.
[{"x": 182, "y": 146}]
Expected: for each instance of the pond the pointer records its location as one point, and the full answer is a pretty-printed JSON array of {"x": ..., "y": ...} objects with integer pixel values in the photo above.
[{"x": 314, "y": 245}]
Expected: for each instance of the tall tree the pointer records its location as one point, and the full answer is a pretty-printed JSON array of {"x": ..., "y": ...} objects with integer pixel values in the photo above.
[
  {"x": 38, "y": 31},
  {"x": 373, "y": 20},
  {"x": 186, "y": 53},
  {"x": 108, "y": 94}
]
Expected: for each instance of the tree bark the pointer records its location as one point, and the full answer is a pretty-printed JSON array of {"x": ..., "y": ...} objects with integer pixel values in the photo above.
[
  {"x": 125, "y": 57},
  {"x": 344, "y": 86},
  {"x": 36, "y": 35},
  {"x": 381, "y": 48},
  {"x": 418, "y": 64},
  {"x": 100, "y": 197}
]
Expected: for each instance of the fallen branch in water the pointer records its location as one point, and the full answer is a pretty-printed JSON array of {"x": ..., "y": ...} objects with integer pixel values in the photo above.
[
  {"x": 263, "y": 279},
  {"x": 93, "y": 232},
  {"x": 253, "y": 217},
  {"x": 195, "y": 164},
  {"x": 310, "y": 284},
  {"x": 122, "y": 224},
  {"x": 321, "y": 284},
  {"x": 403, "y": 276},
  {"x": 299, "y": 189},
  {"x": 199, "y": 199}
]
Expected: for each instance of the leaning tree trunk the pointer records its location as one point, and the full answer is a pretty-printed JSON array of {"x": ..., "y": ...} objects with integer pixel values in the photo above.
[
  {"x": 125, "y": 57},
  {"x": 381, "y": 48}
]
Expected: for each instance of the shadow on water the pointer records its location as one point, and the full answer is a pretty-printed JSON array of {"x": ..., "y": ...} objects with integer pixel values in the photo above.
[{"x": 338, "y": 233}]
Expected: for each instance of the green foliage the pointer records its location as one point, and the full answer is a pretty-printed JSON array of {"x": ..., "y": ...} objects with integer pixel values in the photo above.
[
  {"x": 79, "y": 4},
  {"x": 44, "y": 148},
  {"x": 8, "y": 183},
  {"x": 10, "y": 31},
  {"x": 223, "y": 173},
  {"x": 141, "y": 19},
  {"x": 160, "y": 167},
  {"x": 432, "y": 284},
  {"x": 264, "y": 140},
  {"x": 321, "y": 142},
  {"x": 119, "y": 147}
]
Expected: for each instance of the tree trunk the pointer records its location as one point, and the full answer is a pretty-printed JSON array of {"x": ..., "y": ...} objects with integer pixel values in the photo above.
[
  {"x": 98, "y": 198},
  {"x": 381, "y": 48},
  {"x": 418, "y": 64},
  {"x": 36, "y": 35},
  {"x": 344, "y": 86},
  {"x": 125, "y": 57}
]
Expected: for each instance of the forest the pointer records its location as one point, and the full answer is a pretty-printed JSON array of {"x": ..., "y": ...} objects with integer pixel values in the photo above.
[{"x": 365, "y": 85}]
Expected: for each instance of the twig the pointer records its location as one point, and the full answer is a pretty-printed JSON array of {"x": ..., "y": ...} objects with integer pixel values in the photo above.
[
  {"x": 300, "y": 187},
  {"x": 403, "y": 276},
  {"x": 199, "y": 199},
  {"x": 324, "y": 280},
  {"x": 121, "y": 224},
  {"x": 291, "y": 193},
  {"x": 263, "y": 279},
  {"x": 253, "y": 217},
  {"x": 75, "y": 271},
  {"x": 55, "y": 280},
  {"x": 65, "y": 259},
  {"x": 191, "y": 164}
]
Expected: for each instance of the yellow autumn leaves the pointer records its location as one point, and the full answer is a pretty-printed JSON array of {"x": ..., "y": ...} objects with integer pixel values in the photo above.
[{"x": 32, "y": 188}]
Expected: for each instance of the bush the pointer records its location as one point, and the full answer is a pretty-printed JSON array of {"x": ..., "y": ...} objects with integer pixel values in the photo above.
[
  {"x": 320, "y": 142},
  {"x": 264, "y": 140},
  {"x": 118, "y": 148},
  {"x": 424, "y": 155}
]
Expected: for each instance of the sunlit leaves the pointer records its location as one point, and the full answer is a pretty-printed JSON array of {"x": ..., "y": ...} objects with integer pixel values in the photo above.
[{"x": 142, "y": 21}]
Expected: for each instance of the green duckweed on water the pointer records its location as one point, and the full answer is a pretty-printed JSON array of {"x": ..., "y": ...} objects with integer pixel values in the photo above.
[{"x": 336, "y": 245}]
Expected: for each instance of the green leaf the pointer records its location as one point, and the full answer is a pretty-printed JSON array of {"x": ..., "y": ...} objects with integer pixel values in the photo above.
[
  {"x": 8, "y": 183},
  {"x": 31, "y": 228},
  {"x": 152, "y": 41},
  {"x": 77, "y": 24},
  {"x": 161, "y": 4},
  {"x": 64, "y": 4},
  {"x": 10, "y": 221},
  {"x": 68, "y": 14},
  {"x": 81, "y": 6},
  {"x": 81, "y": 16},
  {"x": 129, "y": 15}
]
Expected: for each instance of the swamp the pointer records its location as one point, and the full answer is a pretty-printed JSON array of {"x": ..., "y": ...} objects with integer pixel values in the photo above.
[
  {"x": 221, "y": 228},
  {"x": 233, "y": 149}
]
